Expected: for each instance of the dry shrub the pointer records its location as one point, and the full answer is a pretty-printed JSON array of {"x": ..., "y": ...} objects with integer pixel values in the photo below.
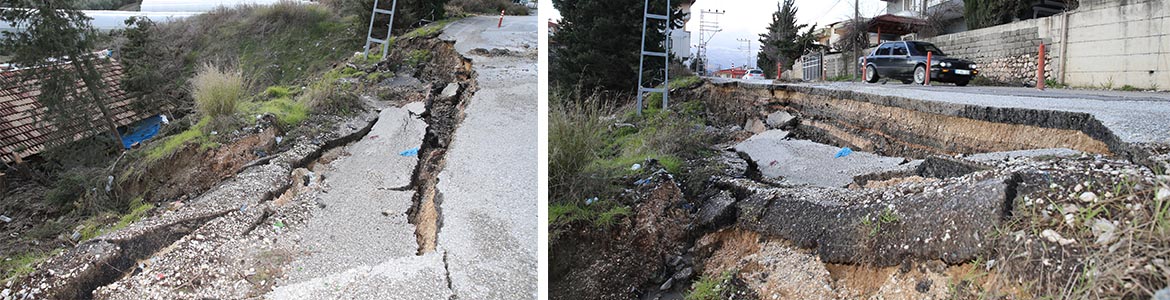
[
  {"x": 578, "y": 129},
  {"x": 217, "y": 91},
  {"x": 458, "y": 7}
]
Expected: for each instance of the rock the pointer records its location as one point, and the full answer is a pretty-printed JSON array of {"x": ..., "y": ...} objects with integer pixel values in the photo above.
[
  {"x": 1089, "y": 197},
  {"x": 684, "y": 274},
  {"x": 923, "y": 286},
  {"x": 675, "y": 260},
  {"x": 754, "y": 125},
  {"x": 1053, "y": 236},
  {"x": 781, "y": 119},
  {"x": 1162, "y": 294},
  {"x": 718, "y": 211},
  {"x": 451, "y": 90},
  {"x": 1105, "y": 231},
  {"x": 1162, "y": 194},
  {"x": 666, "y": 286}
]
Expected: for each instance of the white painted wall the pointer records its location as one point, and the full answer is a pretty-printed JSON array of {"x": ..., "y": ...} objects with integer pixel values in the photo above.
[{"x": 199, "y": 5}]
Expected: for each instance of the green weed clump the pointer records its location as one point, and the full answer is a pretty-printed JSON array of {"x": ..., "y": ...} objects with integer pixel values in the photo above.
[
  {"x": 710, "y": 287},
  {"x": 429, "y": 30},
  {"x": 287, "y": 111},
  {"x": 195, "y": 134}
]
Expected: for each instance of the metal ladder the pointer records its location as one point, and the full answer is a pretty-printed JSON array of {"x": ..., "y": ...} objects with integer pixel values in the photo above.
[
  {"x": 370, "y": 40},
  {"x": 665, "y": 90}
]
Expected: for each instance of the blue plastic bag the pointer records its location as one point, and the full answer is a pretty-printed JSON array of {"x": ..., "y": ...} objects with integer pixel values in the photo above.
[
  {"x": 411, "y": 152},
  {"x": 844, "y": 152}
]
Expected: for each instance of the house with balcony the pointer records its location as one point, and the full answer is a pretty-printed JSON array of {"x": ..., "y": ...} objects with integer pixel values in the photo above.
[{"x": 680, "y": 39}]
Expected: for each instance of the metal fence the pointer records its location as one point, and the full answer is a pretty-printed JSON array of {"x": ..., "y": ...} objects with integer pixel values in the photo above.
[{"x": 812, "y": 66}]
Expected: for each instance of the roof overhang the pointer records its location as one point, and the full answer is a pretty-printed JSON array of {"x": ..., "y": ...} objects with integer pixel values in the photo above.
[{"x": 894, "y": 24}]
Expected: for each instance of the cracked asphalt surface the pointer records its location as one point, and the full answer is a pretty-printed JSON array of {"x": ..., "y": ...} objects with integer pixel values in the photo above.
[
  {"x": 489, "y": 186},
  {"x": 361, "y": 246},
  {"x": 1135, "y": 117}
]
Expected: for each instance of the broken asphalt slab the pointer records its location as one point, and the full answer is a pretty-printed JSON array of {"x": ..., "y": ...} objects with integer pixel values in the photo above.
[
  {"x": 350, "y": 231},
  {"x": 948, "y": 220},
  {"x": 807, "y": 162}
]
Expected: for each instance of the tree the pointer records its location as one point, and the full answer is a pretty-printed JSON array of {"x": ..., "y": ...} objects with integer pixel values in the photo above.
[
  {"x": 55, "y": 49},
  {"x": 987, "y": 13},
  {"x": 149, "y": 77},
  {"x": 598, "y": 43},
  {"x": 854, "y": 39},
  {"x": 783, "y": 42}
]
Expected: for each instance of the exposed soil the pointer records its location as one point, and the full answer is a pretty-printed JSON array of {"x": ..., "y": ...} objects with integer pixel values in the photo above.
[{"x": 618, "y": 262}]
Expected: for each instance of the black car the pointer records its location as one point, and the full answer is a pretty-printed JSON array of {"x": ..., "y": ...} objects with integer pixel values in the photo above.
[{"x": 906, "y": 61}]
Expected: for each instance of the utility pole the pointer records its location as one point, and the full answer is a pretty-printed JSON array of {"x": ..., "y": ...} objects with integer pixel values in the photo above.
[
  {"x": 749, "y": 52},
  {"x": 856, "y": 47},
  {"x": 707, "y": 30}
]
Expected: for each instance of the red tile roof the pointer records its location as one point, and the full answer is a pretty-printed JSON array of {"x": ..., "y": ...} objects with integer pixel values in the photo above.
[{"x": 26, "y": 130}]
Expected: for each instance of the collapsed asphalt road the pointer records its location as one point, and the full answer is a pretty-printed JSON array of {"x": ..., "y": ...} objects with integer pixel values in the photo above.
[
  {"x": 483, "y": 243},
  {"x": 489, "y": 230}
]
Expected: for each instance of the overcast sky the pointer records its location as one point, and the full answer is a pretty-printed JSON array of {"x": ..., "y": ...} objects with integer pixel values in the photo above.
[{"x": 746, "y": 19}]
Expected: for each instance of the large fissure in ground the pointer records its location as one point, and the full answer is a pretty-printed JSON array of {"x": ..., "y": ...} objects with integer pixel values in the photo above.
[
  {"x": 894, "y": 126},
  {"x": 443, "y": 115}
]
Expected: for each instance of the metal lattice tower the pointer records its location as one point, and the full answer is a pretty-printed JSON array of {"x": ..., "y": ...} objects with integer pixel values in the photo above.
[
  {"x": 370, "y": 40},
  {"x": 665, "y": 54},
  {"x": 707, "y": 31},
  {"x": 750, "y": 61}
]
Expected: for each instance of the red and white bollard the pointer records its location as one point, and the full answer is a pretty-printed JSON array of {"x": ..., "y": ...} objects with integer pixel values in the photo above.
[
  {"x": 1040, "y": 69},
  {"x": 779, "y": 71},
  {"x": 864, "y": 68},
  {"x": 929, "y": 58},
  {"x": 501, "y": 19}
]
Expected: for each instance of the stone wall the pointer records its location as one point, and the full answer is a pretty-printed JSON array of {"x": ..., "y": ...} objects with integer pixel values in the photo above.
[
  {"x": 1110, "y": 44},
  {"x": 1006, "y": 53}
]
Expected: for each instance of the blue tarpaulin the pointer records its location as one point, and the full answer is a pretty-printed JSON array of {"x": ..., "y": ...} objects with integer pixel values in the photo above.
[{"x": 140, "y": 131}]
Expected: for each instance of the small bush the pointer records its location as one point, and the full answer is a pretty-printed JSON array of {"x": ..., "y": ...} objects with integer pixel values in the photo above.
[
  {"x": 417, "y": 57},
  {"x": 217, "y": 92},
  {"x": 491, "y": 7},
  {"x": 68, "y": 189},
  {"x": 329, "y": 95}
]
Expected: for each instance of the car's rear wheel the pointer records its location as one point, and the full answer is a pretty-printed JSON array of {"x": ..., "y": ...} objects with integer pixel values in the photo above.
[
  {"x": 962, "y": 82},
  {"x": 920, "y": 74},
  {"x": 870, "y": 74}
]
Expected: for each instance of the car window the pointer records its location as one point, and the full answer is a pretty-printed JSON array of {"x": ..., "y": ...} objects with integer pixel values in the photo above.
[
  {"x": 757, "y": 72},
  {"x": 921, "y": 48},
  {"x": 884, "y": 49},
  {"x": 900, "y": 50}
]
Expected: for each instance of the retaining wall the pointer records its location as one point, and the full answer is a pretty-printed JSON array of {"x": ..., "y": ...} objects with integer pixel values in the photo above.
[{"x": 1110, "y": 44}]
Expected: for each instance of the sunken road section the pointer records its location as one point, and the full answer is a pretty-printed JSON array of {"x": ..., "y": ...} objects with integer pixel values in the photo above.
[{"x": 896, "y": 126}]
